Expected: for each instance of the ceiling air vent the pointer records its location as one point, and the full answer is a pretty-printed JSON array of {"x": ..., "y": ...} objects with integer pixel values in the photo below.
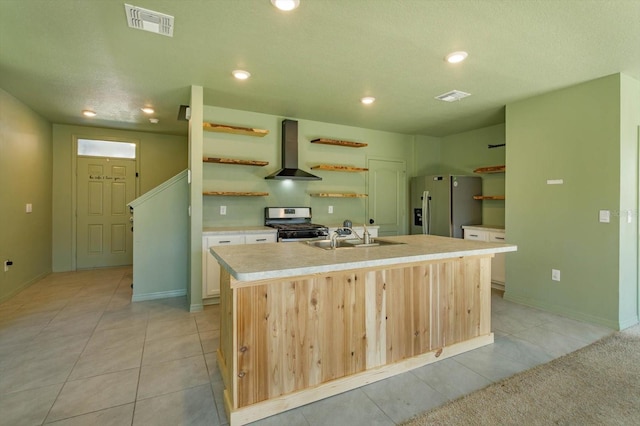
[
  {"x": 452, "y": 96},
  {"x": 148, "y": 20}
]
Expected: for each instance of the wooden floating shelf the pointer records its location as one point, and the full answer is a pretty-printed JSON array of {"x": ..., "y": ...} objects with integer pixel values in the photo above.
[
  {"x": 491, "y": 169},
  {"x": 326, "y": 141},
  {"x": 224, "y": 128},
  {"x": 236, "y": 194},
  {"x": 235, "y": 161},
  {"x": 488, "y": 197},
  {"x": 337, "y": 195},
  {"x": 336, "y": 168}
]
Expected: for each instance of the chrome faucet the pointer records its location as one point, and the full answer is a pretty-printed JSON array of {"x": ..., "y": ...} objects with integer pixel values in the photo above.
[
  {"x": 366, "y": 239},
  {"x": 366, "y": 236}
]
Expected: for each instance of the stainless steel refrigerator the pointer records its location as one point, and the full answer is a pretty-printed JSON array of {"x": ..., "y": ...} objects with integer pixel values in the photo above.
[{"x": 442, "y": 204}]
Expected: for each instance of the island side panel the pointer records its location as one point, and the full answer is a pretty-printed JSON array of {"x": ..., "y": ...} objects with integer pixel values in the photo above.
[
  {"x": 296, "y": 334},
  {"x": 304, "y": 333},
  {"x": 461, "y": 301}
]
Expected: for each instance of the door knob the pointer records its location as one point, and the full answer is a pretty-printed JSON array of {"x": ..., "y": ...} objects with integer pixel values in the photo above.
[{"x": 371, "y": 221}]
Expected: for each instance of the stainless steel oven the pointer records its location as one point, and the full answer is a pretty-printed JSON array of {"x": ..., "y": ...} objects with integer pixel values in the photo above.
[{"x": 294, "y": 224}]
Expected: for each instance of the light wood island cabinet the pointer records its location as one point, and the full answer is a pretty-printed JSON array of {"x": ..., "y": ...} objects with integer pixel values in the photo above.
[{"x": 300, "y": 323}]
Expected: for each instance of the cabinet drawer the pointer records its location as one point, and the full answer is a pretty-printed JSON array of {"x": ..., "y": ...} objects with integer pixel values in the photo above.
[
  {"x": 260, "y": 238},
  {"x": 221, "y": 240},
  {"x": 496, "y": 237},
  {"x": 472, "y": 234}
]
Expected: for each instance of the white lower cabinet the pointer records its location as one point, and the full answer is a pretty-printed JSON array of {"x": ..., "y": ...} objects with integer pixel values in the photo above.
[
  {"x": 211, "y": 267},
  {"x": 260, "y": 238},
  {"x": 498, "y": 266}
]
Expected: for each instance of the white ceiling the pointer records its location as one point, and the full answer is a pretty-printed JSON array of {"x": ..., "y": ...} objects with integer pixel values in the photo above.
[{"x": 60, "y": 57}]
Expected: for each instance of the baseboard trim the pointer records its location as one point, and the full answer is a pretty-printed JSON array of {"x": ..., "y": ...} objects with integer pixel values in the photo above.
[
  {"x": 24, "y": 286},
  {"x": 158, "y": 295},
  {"x": 196, "y": 307},
  {"x": 563, "y": 311}
]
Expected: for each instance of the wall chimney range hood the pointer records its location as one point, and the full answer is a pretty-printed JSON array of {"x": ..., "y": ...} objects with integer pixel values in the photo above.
[{"x": 290, "y": 168}]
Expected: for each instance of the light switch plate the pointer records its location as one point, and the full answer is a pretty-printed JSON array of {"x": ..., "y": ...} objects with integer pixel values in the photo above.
[
  {"x": 28, "y": 208},
  {"x": 605, "y": 216},
  {"x": 555, "y": 274},
  {"x": 330, "y": 209},
  {"x": 223, "y": 210}
]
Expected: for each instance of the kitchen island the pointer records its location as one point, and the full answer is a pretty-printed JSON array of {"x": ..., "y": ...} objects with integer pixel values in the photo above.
[{"x": 300, "y": 323}]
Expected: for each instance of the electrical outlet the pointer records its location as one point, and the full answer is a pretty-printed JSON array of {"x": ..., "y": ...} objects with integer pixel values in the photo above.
[
  {"x": 555, "y": 274},
  {"x": 28, "y": 208},
  {"x": 330, "y": 209},
  {"x": 223, "y": 210},
  {"x": 7, "y": 263}
]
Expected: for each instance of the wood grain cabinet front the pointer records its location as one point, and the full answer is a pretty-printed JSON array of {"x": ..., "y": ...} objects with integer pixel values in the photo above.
[{"x": 303, "y": 338}]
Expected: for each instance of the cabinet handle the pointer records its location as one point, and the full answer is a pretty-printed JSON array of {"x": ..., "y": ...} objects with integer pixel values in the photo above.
[
  {"x": 224, "y": 242},
  {"x": 499, "y": 238},
  {"x": 241, "y": 374},
  {"x": 473, "y": 235},
  {"x": 261, "y": 239}
]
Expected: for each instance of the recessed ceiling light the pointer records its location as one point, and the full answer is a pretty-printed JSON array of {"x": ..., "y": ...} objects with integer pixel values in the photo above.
[
  {"x": 455, "y": 57},
  {"x": 89, "y": 113},
  {"x": 154, "y": 120},
  {"x": 368, "y": 100},
  {"x": 148, "y": 110},
  {"x": 286, "y": 5},
  {"x": 241, "y": 74}
]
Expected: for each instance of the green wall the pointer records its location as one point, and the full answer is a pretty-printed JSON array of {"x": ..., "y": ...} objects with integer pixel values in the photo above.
[
  {"x": 629, "y": 199},
  {"x": 161, "y": 241},
  {"x": 249, "y": 211},
  {"x": 25, "y": 177},
  {"x": 160, "y": 158},
  {"x": 462, "y": 153},
  {"x": 574, "y": 134}
]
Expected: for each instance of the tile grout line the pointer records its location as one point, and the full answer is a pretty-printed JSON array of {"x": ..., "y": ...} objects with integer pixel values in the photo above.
[{"x": 76, "y": 362}]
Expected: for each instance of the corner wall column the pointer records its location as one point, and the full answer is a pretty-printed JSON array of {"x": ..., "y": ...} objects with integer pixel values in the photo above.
[{"x": 194, "y": 294}]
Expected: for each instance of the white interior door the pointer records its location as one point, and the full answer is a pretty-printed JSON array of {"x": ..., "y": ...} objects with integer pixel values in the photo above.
[
  {"x": 387, "y": 196},
  {"x": 103, "y": 229}
]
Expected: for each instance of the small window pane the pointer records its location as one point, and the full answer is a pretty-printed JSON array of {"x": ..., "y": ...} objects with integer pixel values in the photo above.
[{"x": 97, "y": 148}]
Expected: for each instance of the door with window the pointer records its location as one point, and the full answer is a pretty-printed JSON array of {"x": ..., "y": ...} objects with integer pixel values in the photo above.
[{"x": 104, "y": 187}]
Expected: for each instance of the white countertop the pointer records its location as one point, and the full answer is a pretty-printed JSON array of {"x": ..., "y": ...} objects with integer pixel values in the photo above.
[
  {"x": 279, "y": 260},
  {"x": 224, "y": 230},
  {"x": 495, "y": 228}
]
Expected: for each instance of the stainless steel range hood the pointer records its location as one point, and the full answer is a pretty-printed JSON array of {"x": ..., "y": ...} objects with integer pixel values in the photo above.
[{"x": 290, "y": 168}]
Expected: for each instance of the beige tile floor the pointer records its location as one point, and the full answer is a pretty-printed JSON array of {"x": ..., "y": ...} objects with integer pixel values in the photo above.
[{"x": 74, "y": 350}]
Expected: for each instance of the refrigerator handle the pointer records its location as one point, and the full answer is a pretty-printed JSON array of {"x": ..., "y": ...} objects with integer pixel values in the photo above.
[{"x": 426, "y": 213}]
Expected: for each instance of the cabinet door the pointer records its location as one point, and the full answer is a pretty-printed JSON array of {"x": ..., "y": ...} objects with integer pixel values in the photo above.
[
  {"x": 211, "y": 282},
  {"x": 472, "y": 234},
  {"x": 498, "y": 262},
  {"x": 260, "y": 238}
]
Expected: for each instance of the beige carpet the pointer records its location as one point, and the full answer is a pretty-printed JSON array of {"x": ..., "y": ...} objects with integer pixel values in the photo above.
[{"x": 596, "y": 385}]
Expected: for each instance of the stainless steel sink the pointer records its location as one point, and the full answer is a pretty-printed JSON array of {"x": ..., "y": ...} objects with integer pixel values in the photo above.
[{"x": 349, "y": 243}]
